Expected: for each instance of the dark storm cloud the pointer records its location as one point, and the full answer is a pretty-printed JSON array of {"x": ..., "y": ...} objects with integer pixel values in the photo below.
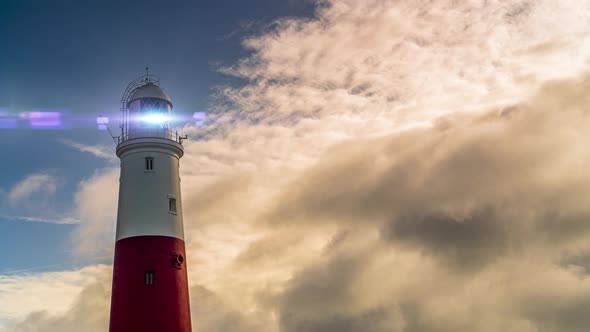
[
  {"x": 464, "y": 243},
  {"x": 210, "y": 313},
  {"x": 466, "y": 186},
  {"x": 372, "y": 321},
  {"x": 317, "y": 299},
  {"x": 559, "y": 314},
  {"x": 476, "y": 196}
]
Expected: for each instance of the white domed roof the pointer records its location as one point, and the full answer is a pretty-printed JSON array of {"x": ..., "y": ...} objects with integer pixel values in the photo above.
[{"x": 150, "y": 90}]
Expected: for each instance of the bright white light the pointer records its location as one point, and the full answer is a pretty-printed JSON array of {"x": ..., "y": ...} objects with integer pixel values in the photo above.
[
  {"x": 200, "y": 118},
  {"x": 155, "y": 118},
  {"x": 102, "y": 120}
]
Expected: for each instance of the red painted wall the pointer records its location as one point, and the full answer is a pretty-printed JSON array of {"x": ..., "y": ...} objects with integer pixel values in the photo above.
[{"x": 161, "y": 307}]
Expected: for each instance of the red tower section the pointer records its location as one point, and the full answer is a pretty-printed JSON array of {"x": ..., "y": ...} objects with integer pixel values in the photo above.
[{"x": 150, "y": 290}]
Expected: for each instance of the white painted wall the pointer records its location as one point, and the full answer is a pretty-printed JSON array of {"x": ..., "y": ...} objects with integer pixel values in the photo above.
[{"x": 144, "y": 194}]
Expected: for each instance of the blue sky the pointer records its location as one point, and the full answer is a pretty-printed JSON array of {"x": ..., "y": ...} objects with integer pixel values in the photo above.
[{"x": 77, "y": 57}]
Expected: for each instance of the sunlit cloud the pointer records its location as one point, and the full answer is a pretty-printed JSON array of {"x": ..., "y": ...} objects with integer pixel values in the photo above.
[
  {"x": 51, "y": 293},
  {"x": 99, "y": 151},
  {"x": 62, "y": 220},
  {"x": 33, "y": 185}
]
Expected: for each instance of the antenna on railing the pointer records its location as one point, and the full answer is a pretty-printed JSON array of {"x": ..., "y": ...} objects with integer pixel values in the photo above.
[
  {"x": 103, "y": 124},
  {"x": 115, "y": 138},
  {"x": 181, "y": 138}
]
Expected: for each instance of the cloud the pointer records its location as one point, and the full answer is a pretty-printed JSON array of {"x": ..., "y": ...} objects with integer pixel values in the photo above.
[
  {"x": 42, "y": 184},
  {"x": 474, "y": 216},
  {"x": 210, "y": 313},
  {"x": 88, "y": 305},
  {"x": 98, "y": 151},
  {"x": 408, "y": 61},
  {"x": 459, "y": 227},
  {"x": 64, "y": 220},
  {"x": 96, "y": 208},
  {"x": 388, "y": 166},
  {"x": 48, "y": 296}
]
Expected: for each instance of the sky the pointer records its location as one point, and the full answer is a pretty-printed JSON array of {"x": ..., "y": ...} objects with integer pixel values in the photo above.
[
  {"x": 365, "y": 165},
  {"x": 77, "y": 59}
]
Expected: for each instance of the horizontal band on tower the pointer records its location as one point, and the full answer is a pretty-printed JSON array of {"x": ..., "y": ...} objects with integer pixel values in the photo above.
[{"x": 150, "y": 143}]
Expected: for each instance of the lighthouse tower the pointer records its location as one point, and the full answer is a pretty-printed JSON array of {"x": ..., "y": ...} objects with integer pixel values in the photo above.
[{"x": 150, "y": 289}]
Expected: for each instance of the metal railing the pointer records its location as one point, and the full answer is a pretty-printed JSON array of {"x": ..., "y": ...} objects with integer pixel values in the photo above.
[{"x": 164, "y": 133}]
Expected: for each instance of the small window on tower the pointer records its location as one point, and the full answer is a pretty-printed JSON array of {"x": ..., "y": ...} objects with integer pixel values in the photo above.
[
  {"x": 149, "y": 277},
  {"x": 172, "y": 205},
  {"x": 149, "y": 163}
]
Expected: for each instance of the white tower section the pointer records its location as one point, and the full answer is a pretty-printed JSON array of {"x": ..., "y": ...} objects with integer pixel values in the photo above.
[{"x": 150, "y": 199}]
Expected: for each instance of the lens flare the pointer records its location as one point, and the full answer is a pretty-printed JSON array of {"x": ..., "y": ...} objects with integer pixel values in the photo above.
[
  {"x": 7, "y": 120},
  {"x": 102, "y": 122},
  {"x": 154, "y": 118},
  {"x": 45, "y": 120},
  {"x": 199, "y": 118}
]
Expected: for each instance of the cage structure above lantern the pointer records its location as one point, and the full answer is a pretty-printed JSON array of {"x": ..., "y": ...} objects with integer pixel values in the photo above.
[{"x": 146, "y": 111}]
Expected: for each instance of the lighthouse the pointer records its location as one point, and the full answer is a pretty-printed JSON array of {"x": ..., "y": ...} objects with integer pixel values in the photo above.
[{"x": 150, "y": 288}]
